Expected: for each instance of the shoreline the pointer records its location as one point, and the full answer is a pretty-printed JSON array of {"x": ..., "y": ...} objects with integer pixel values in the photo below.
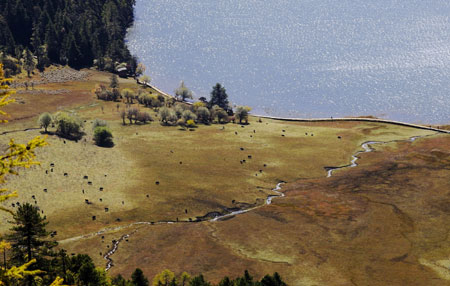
[{"x": 375, "y": 120}]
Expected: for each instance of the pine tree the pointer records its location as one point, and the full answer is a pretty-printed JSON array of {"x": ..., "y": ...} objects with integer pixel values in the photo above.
[
  {"x": 28, "y": 62},
  {"x": 28, "y": 234},
  {"x": 219, "y": 97},
  {"x": 138, "y": 278}
]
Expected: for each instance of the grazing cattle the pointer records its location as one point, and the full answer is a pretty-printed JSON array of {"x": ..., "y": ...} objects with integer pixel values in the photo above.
[
  {"x": 101, "y": 189},
  {"x": 85, "y": 177},
  {"x": 52, "y": 164},
  {"x": 45, "y": 190},
  {"x": 185, "y": 211},
  {"x": 242, "y": 149},
  {"x": 235, "y": 132},
  {"x": 181, "y": 163},
  {"x": 46, "y": 171},
  {"x": 106, "y": 209},
  {"x": 123, "y": 202},
  {"x": 249, "y": 156},
  {"x": 282, "y": 135},
  {"x": 265, "y": 165},
  {"x": 117, "y": 219},
  {"x": 101, "y": 199},
  {"x": 51, "y": 170},
  {"x": 93, "y": 217},
  {"x": 339, "y": 137},
  {"x": 65, "y": 174},
  {"x": 89, "y": 183},
  {"x": 157, "y": 182},
  {"x": 148, "y": 196}
]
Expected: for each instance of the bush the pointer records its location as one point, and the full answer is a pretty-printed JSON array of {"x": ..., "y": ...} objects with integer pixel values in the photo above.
[
  {"x": 103, "y": 136},
  {"x": 143, "y": 117},
  {"x": 242, "y": 114},
  {"x": 222, "y": 116},
  {"x": 190, "y": 123},
  {"x": 203, "y": 114},
  {"x": 68, "y": 126},
  {"x": 188, "y": 115},
  {"x": 98, "y": 123},
  {"x": 167, "y": 116},
  {"x": 45, "y": 120},
  {"x": 179, "y": 109}
]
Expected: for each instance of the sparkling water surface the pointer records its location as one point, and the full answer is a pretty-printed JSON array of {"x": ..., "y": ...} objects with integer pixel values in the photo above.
[{"x": 304, "y": 58}]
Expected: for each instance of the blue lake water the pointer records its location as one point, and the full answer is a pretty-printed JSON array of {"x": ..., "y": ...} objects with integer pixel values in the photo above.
[{"x": 304, "y": 58}]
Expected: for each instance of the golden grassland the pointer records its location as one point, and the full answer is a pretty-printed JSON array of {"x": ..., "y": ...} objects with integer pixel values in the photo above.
[{"x": 327, "y": 230}]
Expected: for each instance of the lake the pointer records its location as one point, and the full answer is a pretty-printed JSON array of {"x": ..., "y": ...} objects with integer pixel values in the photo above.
[{"x": 303, "y": 58}]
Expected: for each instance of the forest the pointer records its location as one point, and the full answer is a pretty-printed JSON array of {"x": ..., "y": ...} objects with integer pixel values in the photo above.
[{"x": 77, "y": 33}]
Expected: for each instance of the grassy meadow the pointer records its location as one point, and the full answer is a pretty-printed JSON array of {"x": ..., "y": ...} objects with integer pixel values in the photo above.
[{"x": 159, "y": 173}]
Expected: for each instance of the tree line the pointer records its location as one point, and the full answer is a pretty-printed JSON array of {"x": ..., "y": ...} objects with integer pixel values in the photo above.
[{"x": 74, "y": 32}]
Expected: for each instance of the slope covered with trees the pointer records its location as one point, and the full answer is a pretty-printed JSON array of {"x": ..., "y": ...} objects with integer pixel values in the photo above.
[{"x": 77, "y": 33}]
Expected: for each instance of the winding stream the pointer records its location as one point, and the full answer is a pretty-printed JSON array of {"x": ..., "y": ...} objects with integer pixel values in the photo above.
[{"x": 366, "y": 146}]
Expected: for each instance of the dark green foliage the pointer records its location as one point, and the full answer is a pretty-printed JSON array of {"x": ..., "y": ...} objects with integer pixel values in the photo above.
[
  {"x": 138, "y": 278},
  {"x": 219, "y": 97},
  {"x": 28, "y": 234},
  {"x": 68, "y": 32},
  {"x": 103, "y": 136},
  {"x": 87, "y": 274},
  {"x": 274, "y": 280},
  {"x": 28, "y": 240},
  {"x": 199, "y": 281}
]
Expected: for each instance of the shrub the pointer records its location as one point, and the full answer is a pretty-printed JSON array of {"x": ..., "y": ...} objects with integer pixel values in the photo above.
[
  {"x": 242, "y": 114},
  {"x": 203, "y": 114},
  {"x": 188, "y": 115},
  {"x": 98, "y": 123},
  {"x": 190, "y": 123},
  {"x": 143, "y": 117},
  {"x": 45, "y": 120},
  {"x": 167, "y": 116},
  {"x": 68, "y": 126},
  {"x": 179, "y": 108},
  {"x": 103, "y": 136},
  {"x": 222, "y": 116}
]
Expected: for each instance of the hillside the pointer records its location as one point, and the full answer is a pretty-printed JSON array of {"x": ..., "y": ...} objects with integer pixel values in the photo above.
[{"x": 160, "y": 187}]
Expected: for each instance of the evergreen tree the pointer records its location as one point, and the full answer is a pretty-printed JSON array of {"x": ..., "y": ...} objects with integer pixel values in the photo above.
[
  {"x": 219, "y": 97},
  {"x": 28, "y": 61},
  {"x": 28, "y": 234},
  {"x": 138, "y": 278}
]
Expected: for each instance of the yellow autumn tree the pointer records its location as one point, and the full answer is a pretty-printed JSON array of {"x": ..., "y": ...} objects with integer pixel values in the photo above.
[
  {"x": 15, "y": 157},
  {"x": 165, "y": 278}
]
